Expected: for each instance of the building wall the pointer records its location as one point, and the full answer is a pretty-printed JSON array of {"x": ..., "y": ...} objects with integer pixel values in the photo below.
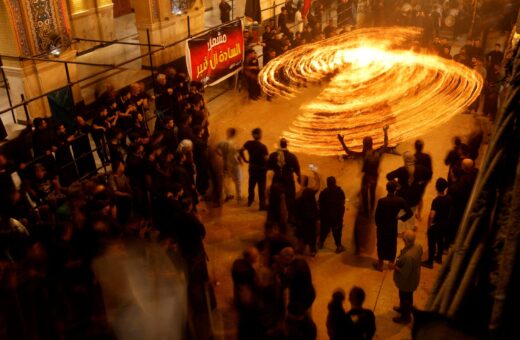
[
  {"x": 7, "y": 37},
  {"x": 91, "y": 19}
]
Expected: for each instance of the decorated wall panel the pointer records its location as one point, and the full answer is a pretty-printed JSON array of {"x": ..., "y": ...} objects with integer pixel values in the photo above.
[
  {"x": 47, "y": 19},
  {"x": 17, "y": 23}
]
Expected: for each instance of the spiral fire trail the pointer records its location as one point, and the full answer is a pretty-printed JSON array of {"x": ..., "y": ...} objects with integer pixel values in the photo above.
[{"x": 373, "y": 78}]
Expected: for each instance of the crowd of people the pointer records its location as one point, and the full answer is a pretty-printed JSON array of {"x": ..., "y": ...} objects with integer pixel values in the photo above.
[
  {"x": 64, "y": 223},
  {"x": 292, "y": 29}
]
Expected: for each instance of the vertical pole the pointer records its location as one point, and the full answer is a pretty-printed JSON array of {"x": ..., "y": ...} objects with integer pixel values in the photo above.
[
  {"x": 7, "y": 89},
  {"x": 27, "y": 118},
  {"x": 232, "y": 10},
  {"x": 67, "y": 73},
  {"x": 150, "y": 56},
  {"x": 189, "y": 29},
  {"x": 274, "y": 14},
  {"x": 69, "y": 87},
  {"x": 473, "y": 18}
]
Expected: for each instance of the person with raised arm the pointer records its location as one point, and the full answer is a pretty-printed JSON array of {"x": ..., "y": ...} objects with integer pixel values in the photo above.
[{"x": 371, "y": 159}]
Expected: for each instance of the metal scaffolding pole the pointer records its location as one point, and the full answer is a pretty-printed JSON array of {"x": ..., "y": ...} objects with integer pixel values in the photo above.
[
  {"x": 110, "y": 42},
  {"x": 21, "y": 58},
  {"x": 7, "y": 89}
]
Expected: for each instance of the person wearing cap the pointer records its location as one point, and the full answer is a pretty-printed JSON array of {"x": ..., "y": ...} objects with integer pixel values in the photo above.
[{"x": 407, "y": 274}]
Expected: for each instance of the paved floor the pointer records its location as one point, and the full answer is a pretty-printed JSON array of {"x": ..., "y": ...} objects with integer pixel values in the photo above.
[{"x": 232, "y": 228}]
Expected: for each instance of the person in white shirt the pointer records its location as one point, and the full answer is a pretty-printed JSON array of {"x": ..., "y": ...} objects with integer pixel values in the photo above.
[
  {"x": 231, "y": 159},
  {"x": 298, "y": 20}
]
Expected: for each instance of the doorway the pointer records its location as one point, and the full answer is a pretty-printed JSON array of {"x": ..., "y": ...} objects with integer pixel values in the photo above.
[{"x": 122, "y": 7}]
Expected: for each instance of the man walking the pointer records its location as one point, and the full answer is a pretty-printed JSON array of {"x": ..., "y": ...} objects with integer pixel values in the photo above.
[
  {"x": 387, "y": 214},
  {"x": 407, "y": 273},
  {"x": 332, "y": 208},
  {"x": 228, "y": 150},
  {"x": 284, "y": 165},
  {"x": 257, "y": 167}
]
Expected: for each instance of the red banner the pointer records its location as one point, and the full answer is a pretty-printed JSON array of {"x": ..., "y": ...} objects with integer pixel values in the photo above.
[{"x": 216, "y": 55}]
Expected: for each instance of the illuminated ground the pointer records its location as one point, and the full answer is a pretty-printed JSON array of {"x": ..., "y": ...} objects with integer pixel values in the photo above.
[{"x": 232, "y": 228}]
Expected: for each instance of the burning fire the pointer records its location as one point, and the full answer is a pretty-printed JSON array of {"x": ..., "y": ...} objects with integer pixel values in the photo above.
[{"x": 373, "y": 78}]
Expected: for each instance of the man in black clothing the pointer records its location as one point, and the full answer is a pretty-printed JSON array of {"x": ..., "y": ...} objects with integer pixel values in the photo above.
[
  {"x": 169, "y": 138},
  {"x": 422, "y": 158},
  {"x": 135, "y": 170},
  {"x": 363, "y": 320},
  {"x": 180, "y": 175},
  {"x": 190, "y": 237},
  {"x": 387, "y": 215},
  {"x": 163, "y": 96},
  {"x": 168, "y": 209},
  {"x": 495, "y": 57},
  {"x": 225, "y": 10},
  {"x": 284, "y": 165},
  {"x": 307, "y": 214},
  {"x": 100, "y": 125},
  {"x": 412, "y": 179},
  {"x": 81, "y": 147},
  {"x": 201, "y": 160},
  {"x": 332, "y": 208},
  {"x": 185, "y": 131},
  {"x": 437, "y": 222},
  {"x": 477, "y": 51},
  {"x": 257, "y": 166},
  {"x": 44, "y": 142},
  {"x": 460, "y": 187},
  {"x": 282, "y": 21},
  {"x": 454, "y": 157}
]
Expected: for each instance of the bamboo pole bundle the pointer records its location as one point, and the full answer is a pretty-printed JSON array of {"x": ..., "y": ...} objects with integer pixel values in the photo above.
[
  {"x": 491, "y": 218},
  {"x": 507, "y": 261}
]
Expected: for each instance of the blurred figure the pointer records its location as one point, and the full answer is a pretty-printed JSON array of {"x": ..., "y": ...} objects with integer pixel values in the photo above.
[{"x": 229, "y": 152}]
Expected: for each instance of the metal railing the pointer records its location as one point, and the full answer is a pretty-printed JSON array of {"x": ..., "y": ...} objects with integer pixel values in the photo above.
[
  {"x": 152, "y": 49},
  {"x": 70, "y": 83}
]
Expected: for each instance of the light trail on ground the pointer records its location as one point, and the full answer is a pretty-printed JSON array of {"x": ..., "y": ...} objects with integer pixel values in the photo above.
[{"x": 370, "y": 78}]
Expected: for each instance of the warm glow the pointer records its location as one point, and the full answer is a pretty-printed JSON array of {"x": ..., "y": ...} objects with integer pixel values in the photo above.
[{"x": 373, "y": 79}]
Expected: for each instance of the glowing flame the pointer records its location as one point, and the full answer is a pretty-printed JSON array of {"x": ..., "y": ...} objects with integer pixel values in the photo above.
[{"x": 375, "y": 80}]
